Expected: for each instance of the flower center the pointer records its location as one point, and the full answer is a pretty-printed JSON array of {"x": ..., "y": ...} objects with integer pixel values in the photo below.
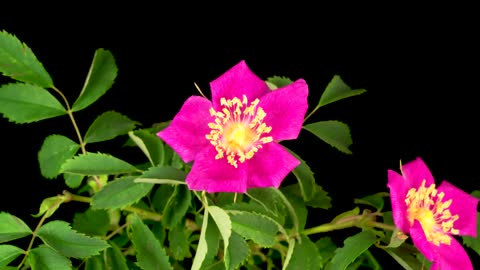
[
  {"x": 426, "y": 206},
  {"x": 238, "y": 131}
]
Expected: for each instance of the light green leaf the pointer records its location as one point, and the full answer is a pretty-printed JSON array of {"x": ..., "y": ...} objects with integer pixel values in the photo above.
[
  {"x": 11, "y": 227},
  {"x": 100, "y": 78},
  {"x": 337, "y": 90},
  {"x": 120, "y": 193},
  {"x": 353, "y": 247},
  {"x": 92, "y": 222},
  {"x": 203, "y": 247},
  {"x": 108, "y": 126},
  {"x": 73, "y": 180},
  {"x": 304, "y": 255},
  {"x": 151, "y": 145},
  {"x": 177, "y": 206},
  {"x": 50, "y": 205},
  {"x": 276, "y": 82},
  {"x": 260, "y": 229},
  {"x": 60, "y": 236},
  {"x": 26, "y": 103},
  {"x": 224, "y": 225},
  {"x": 45, "y": 258},
  {"x": 473, "y": 243},
  {"x": 18, "y": 62},
  {"x": 305, "y": 178},
  {"x": 150, "y": 254},
  {"x": 335, "y": 133},
  {"x": 355, "y": 211},
  {"x": 8, "y": 253},
  {"x": 97, "y": 164},
  {"x": 115, "y": 259},
  {"x": 55, "y": 150}
]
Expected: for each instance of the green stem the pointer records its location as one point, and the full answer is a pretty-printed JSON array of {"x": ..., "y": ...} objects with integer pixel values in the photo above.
[{"x": 353, "y": 221}]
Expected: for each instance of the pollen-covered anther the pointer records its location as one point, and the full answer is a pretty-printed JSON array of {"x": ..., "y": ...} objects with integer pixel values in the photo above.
[
  {"x": 427, "y": 207},
  {"x": 238, "y": 130}
]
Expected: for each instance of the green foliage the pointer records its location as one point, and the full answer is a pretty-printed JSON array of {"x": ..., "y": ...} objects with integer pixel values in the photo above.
[
  {"x": 119, "y": 193},
  {"x": 108, "y": 126},
  {"x": 303, "y": 254},
  {"x": 97, "y": 164},
  {"x": 56, "y": 149},
  {"x": 11, "y": 227},
  {"x": 353, "y": 247},
  {"x": 45, "y": 258},
  {"x": 335, "y": 133},
  {"x": 337, "y": 90},
  {"x": 8, "y": 253}
]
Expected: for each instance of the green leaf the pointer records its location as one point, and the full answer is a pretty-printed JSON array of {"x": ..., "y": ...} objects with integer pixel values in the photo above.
[
  {"x": 335, "y": 133},
  {"x": 304, "y": 255},
  {"x": 337, "y": 90},
  {"x": 207, "y": 244},
  {"x": 355, "y": 211},
  {"x": 50, "y": 205},
  {"x": 108, "y": 126},
  {"x": 179, "y": 242},
  {"x": 151, "y": 145},
  {"x": 305, "y": 178},
  {"x": 163, "y": 174},
  {"x": 326, "y": 247},
  {"x": 60, "y": 236},
  {"x": 120, "y": 193},
  {"x": 297, "y": 208},
  {"x": 92, "y": 222},
  {"x": 55, "y": 150},
  {"x": 161, "y": 196},
  {"x": 473, "y": 243},
  {"x": 12, "y": 228},
  {"x": 375, "y": 200},
  {"x": 353, "y": 247},
  {"x": 8, "y": 253},
  {"x": 405, "y": 258},
  {"x": 115, "y": 260},
  {"x": 100, "y": 78},
  {"x": 276, "y": 82},
  {"x": 26, "y": 103},
  {"x": 45, "y": 258},
  {"x": 260, "y": 229},
  {"x": 150, "y": 254},
  {"x": 238, "y": 251},
  {"x": 224, "y": 225},
  {"x": 18, "y": 62},
  {"x": 97, "y": 164},
  {"x": 320, "y": 199},
  {"x": 271, "y": 200},
  {"x": 73, "y": 180},
  {"x": 177, "y": 206},
  {"x": 95, "y": 263}
]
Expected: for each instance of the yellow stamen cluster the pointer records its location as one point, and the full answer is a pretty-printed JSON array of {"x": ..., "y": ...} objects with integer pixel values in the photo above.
[
  {"x": 425, "y": 205},
  {"x": 238, "y": 131}
]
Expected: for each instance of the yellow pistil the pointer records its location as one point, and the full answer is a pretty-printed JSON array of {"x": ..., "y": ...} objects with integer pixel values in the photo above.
[
  {"x": 426, "y": 206},
  {"x": 238, "y": 130}
]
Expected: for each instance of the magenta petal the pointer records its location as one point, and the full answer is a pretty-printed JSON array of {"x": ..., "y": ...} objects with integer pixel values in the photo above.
[
  {"x": 420, "y": 241},
  {"x": 269, "y": 166},
  {"x": 236, "y": 82},
  {"x": 216, "y": 175},
  {"x": 398, "y": 192},
  {"x": 285, "y": 109},
  {"x": 415, "y": 172},
  {"x": 464, "y": 205},
  {"x": 452, "y": 257},
  {"x": 186, "y": 133}
]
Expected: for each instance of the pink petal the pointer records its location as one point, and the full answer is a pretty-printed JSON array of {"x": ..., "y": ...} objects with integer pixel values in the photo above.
[
  {"x": 216, "y": 175},
  {"x": 269, "y": 166},
  {"x": 464, "y": 205},
  {"x": 186, "y": 133},
  {"x": 398, "y": 192},
  {"x": 236, "y": 82},
  {"x": 452, "y": 257},
  {"x": 285, "y": 109},
  {"x": 415, "y": 172},
  {"x": 420, "y": 241}
]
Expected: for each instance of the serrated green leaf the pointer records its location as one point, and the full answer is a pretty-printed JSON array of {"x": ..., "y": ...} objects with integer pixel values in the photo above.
[
  {"x": 304, "y": 255},
  {"x": 8, "y": 253},
  {"x": 353, "y": 247},
  {"x": 11, "y": 227},
  {"x": 92, "y": 222},
  {"x": 97, "y": 164},
  {"x": 120, "y": 193},
  {"x": 18, "y": 62},
  {"x": 405, "y": 258},
  {"x": 335, "y": 133},
  {"x": 95, "y": 263},
  {"x": 238, "y": 251},
  {"x": 150, "y": 254},
  {"x": 55, "y": 150},
  {"x": 260, "y": 229},
  {"x": 100, "y": 78},
  {"x": 337, "y": 90},
  {"x": 177, "y": 206},
  {"x": 151, "y": 145},
  {"x": 50, "y": 205},
  {"x": 375, "y": 200},
  {"x": 115, "y": 260},
  {"x": 61, "y": 237},
  {"x": 108, "y": 126},
  {"x": 73, "y": 180},
  {"x": 163, "y": 175},
  {"x": 179, "y": 242},
  {"x": 161, "y": 196},
  {"x": 326, "y": 248},
  {"x": 271, "y": 201},
  {"x": 320, "y": 199},
  {"x": 297, "y": 208},
  {"x": 26, "y": 103},
  {"x": 473, "y": 243},
  {"x": 305, "y": 178},
  {"x": 224, "y": 225},
  {"x": 45, "y": 258}
]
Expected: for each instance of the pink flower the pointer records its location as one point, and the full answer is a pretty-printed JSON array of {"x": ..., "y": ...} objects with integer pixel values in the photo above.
[
  {"x": 433, "y": 215},
  {"x": 233, "y": 140}
]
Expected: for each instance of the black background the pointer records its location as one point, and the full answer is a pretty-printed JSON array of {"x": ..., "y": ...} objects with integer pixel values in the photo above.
[{"x": 419, "y": 66}]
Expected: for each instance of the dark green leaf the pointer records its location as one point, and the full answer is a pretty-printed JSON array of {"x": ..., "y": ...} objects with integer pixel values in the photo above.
[
  {"x": 100, "y": 78},
  {"x": 177, "y": 206},
  {"x": 278, "y": 82},
  {"x": 405, "y": 258},
  {"x": 8, "y": 253},
  {"x": 238, "y": 251},
  {"x": 120, "y": 193},
  {"x": 45, "y": 258},
  {"x": 320, "y": 199},
  {"x": 375, "y": 200},
  {"x": 92, "y": 222},
  {"x": 150, "y": 254},
  {"x": 326, "y": 247},
  {"x": 260, "y": 229},
  {"x": 18, "y": 62},
  {"x": 97, "y": 164},
  {"x": 305, "y": 178},
  {"x": 26, "y": 103},
  {"x": 337, "y": 90},
  {"x": 353, "y": 247},
  {"x": 12, "y": 227},
  {"x": 297, "y": 208},
  {"x": 60, "y": 236},
  {"x": 95, "y": 263},
  {"x": 115, "y": 259},
  {"x": 179, "y": 242},
  {"x": 304, "y": 255},
  {"x": 108, "y": 126},
  {"x": 335, "y": 133},
  {"x": 151, "y": 145},
  {"x": 55, "y": 150},
  {"x": 474, "y": 243}
]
